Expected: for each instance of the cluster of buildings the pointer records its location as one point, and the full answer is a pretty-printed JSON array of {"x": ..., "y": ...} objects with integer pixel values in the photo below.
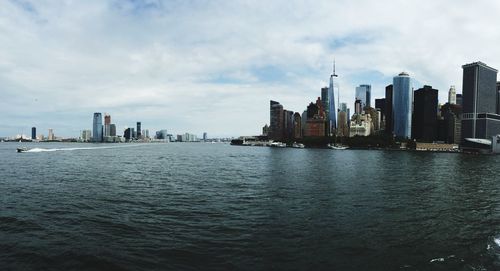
[
  {"x": 404, "y": 113},
  {"x": 107, "y": 133}
]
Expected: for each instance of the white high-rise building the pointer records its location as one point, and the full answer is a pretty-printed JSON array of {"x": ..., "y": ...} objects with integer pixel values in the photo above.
[{"x": 452, "y": 95}]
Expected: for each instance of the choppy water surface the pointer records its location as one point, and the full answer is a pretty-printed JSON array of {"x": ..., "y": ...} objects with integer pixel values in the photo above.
[{"x": 200, "y": 206}]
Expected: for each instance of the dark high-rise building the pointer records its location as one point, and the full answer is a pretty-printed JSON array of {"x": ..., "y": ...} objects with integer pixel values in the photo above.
[
  {"x": 425, "y": 107},
  {"x": 33, "y": 133},
  {"x": 138, "y": 130},
  {"x": 459, "y": 99},
  {"x": 112, "y": 130},
  {"x": 288, "y": 124},
  {"x": 380, "y": 104},
  {"x": 127, "y": 134},
  {"x": 276, "y": 121},
  {"x": 297, "y": 122},
  {"x": 205, "y": 136},
  {"x": 479, "y": 118},
  {"x": 452, "y": 123},
  {"x": 498, "y": 98},
  {"x": 388, "y": 110}
]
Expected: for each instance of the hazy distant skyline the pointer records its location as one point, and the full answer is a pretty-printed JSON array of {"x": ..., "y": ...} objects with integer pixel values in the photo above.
[{"x": 213, "y": 66}]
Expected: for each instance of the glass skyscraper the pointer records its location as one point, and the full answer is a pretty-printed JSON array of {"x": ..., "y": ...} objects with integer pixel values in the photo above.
[
  {"x": 402, "y": 105},
  {"x": 363, "y": 93},
  {"x": 332, "y": 111},
  {"x": 97, "y": 128}
]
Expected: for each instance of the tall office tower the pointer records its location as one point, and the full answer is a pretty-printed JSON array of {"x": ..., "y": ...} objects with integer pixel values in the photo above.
[
  {"x": 127, "y": 134},
  {"x": 107, "y": 123},
  {"x": 332, "y": 111},
  {"x": 424, "y": 123},
  {"x": 303, "y": 119},
  {"x": 380, "y": 105},
  {"x": 451, "y": 114},
  {"x": 358, "y": 106},
  {"x": 112, "y": 130},
  {"x": 498, "y": 97},
  {"x": 138, "y": 136},
  {"x": 33, "y": 133},
  {"x": 146, "y": 133},
  {"x": 452, "y": 95},
  {"x": 342, "y": 127},
  {"x": 479, "y": 102},
  {"x": 325, "y": 99},
  {"x": 389, "y": 125},
  {"x": 51, "y": 134},
  {"x": 97, "y": 128},
  {"x": 363, "y": 93},
  {"x": 205, "y": 135},
  {"x": 107, "y": 119},
  {"x": 459, "y": 99},
  {"x": 297, "y": 128},
  {"x": 288, "y": 124},
  {"x": 402, "y": 105},
  {"x": 276, "y": 121}
]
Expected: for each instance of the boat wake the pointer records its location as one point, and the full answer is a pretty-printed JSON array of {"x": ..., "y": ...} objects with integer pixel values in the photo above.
[{"x": 75, "y": 149}]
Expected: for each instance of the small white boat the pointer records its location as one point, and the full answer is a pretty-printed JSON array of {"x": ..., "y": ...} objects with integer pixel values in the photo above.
[
  {"x": 298, "y": 145},
  {"x": 337, "y": 147},
  {"x": 278, "y": 145},
  {"x": 23, "y": 149}
]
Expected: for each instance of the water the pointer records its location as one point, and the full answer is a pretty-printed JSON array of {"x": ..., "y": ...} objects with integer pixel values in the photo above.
[{"x": 200, "y": 206}]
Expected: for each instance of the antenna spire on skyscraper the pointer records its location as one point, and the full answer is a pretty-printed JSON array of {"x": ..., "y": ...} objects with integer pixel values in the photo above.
[{"x": 334, "y": 75}]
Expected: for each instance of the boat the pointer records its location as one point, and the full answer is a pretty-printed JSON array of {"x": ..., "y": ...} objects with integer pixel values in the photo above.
[
  {"x": 337, "y": 147},
  {"x": 278, "y": 145},
  {"x": 23, "y": 149},
  {"x": 298, "y": 145}
]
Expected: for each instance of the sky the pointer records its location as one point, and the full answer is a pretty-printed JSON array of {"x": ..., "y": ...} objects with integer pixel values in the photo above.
[{"x": 212, "y": 66}]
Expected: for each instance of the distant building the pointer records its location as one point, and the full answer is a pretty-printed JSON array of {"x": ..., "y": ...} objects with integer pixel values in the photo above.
[
  {"x": 162, "y": 134},
  {"x": 139, "y": 135},
  {"x": 342, "y": 126},
  {"x": 459, "y": 99},
  {"x": 265, "y": 130},
  {"x": 276, "y": 121},
  {"x": 451, "y": 114},
  {"x": 388, "y": 110},
  {"x": 187, "y": 137},
  {"x": 358, "y": 106},
  {"x": 107, "y": 125},
  {"x": 112, "y": 130},
  {"x": 480, "y": 119},
  {"x": 452, "y": 95},
  {"x": 402, "y": 105},
  {"x": 375, "y": 119},
  {"x": 297, "y": 129},
  {"x": 498, "y": 98},
  {"x": 205, "y": 136},
  {"x": 97, "y": 128},
  {"x": 363, "y": 93},
  {"x": 332, "y": 111},
  {"x": 51, "y": 135},
  {"x": 316, "y": 120},
  {"x": 424, "y": 123},
  {"x": 86, "y": 135},
  {"x": 304, "y": 122},
  {"x": 361, "y": 125},
  {"x": 289, "y": 126},
  {"x": 33, "y": 133}
]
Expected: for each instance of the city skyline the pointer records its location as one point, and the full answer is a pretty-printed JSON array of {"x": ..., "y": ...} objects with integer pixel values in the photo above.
[{"x": 61, "y": 62}]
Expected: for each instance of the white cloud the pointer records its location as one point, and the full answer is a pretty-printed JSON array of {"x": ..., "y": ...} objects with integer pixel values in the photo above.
[{"x": 213, "y": 66}]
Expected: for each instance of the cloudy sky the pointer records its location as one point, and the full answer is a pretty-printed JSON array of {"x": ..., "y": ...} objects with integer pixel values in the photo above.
[{"x": 196, "y": 66}]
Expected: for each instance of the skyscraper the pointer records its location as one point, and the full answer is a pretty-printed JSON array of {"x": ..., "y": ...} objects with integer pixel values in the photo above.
[
  {"x": 107, "y": 123},
  {"x": 112, "y": 130},
  {"x": 402, "y": 105},
  {"x": 33, "y": 133},
  {"x": 388, "y": 110},
  {"x": 205, "y": 136},
  {"x": 276, "y": 121},
  {"x": 51, "y": 135},
  {"x": 498, "y": 97},
  {"x": 459, "y": 99},
  {"x": 138, "y": 136},
  {"x": 363, "y": 93},
  {"x": 452, "y": 95},
  {"x": 479, "y": 102},
  {"x": 97, "y": 128},
  {"x": 332, "y": 111},
  {"x": 297, "y": 122},
  {"x": 424, "y": 123},
  {"x": 380, "y": 105}
]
